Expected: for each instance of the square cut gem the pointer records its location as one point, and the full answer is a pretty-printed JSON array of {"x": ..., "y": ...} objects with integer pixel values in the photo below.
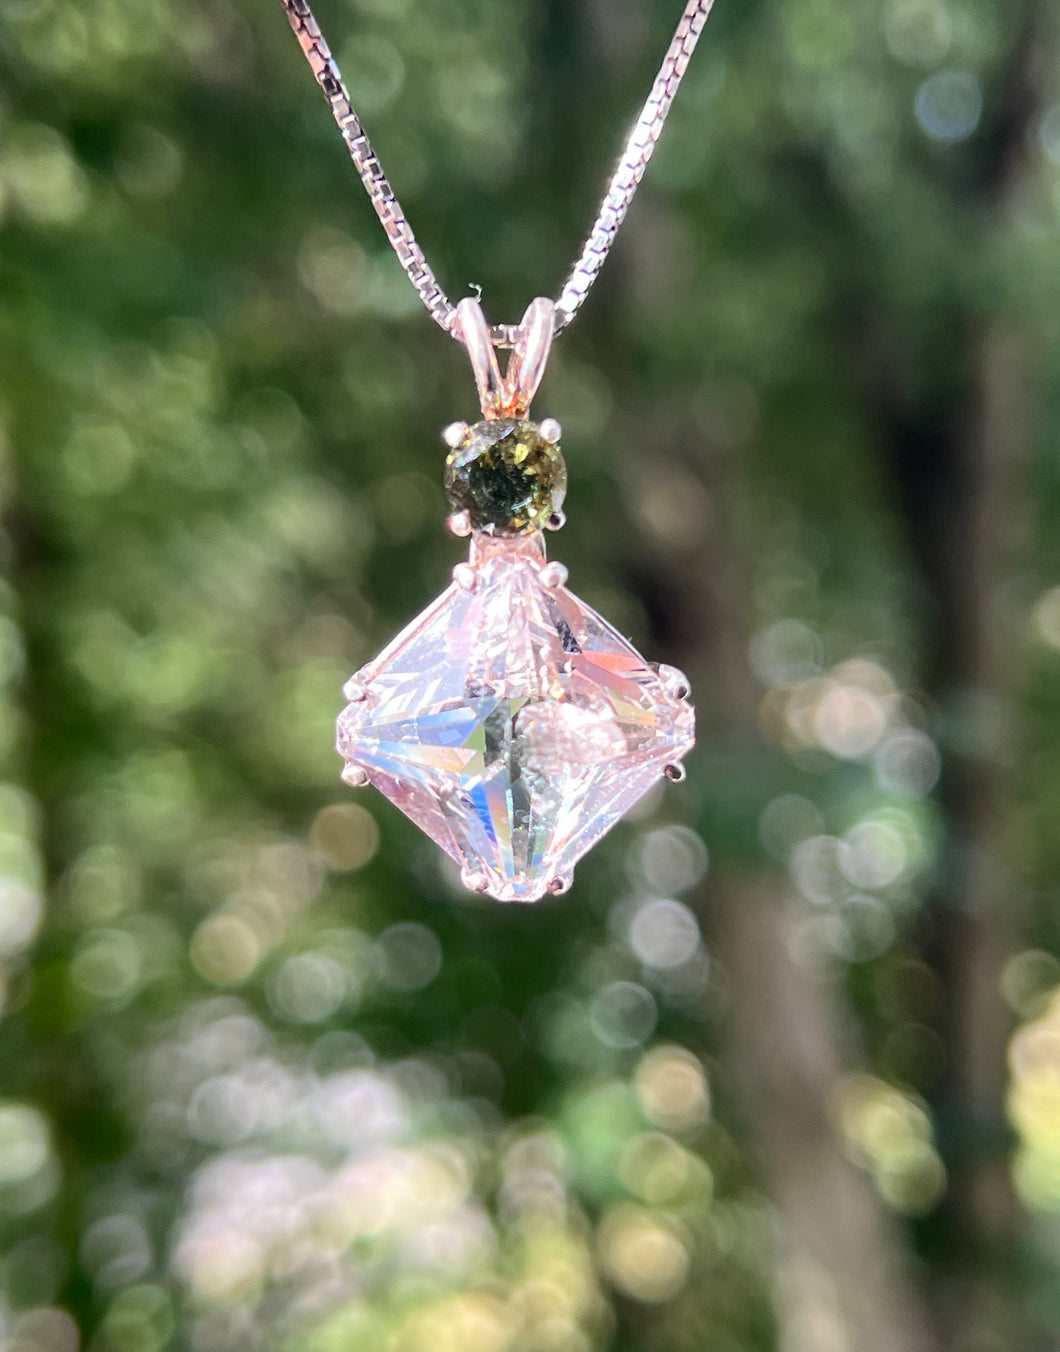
[{"x": 512, "y": 724}]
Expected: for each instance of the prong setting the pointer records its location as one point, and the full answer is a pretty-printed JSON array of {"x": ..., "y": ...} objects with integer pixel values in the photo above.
[
  {"x": 675, "y": 773},
  {"x": 553, "y": 575},
  {"x": 474, "y": 881},
  {"x": 550, "y": 431},
  {"x": 556, "y": 521},
  {"x": 465, "y": 577},
  {"x": 674, "y": 681},
  {"x": 354, "y": 776},
  {"x": 506, "y": 477},
  {"x": 455, "y": 434},
  {"x": 355, "y": 690},
  {"x": 459, "y": 524},
  {"x": 559, "y": 884}
]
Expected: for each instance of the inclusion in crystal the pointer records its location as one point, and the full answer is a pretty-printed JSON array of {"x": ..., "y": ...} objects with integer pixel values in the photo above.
[
  {"x": 506, "y": 476},
  {"x": 512, "y": 723}
]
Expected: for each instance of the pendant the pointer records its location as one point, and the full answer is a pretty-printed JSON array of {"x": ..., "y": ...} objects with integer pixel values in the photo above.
[{"x": 509, "y": 721}]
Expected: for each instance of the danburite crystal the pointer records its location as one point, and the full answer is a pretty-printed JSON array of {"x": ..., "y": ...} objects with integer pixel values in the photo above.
[{"x": 512, "y": 723}]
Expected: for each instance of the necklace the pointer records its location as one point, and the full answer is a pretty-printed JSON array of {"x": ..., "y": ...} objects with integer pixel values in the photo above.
[{"x": 509, "y": 721}]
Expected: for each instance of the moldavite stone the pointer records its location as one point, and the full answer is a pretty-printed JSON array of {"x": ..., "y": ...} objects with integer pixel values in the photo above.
[
  {"x": 513, "y": 724},
  {"x": 506, "y": 476}
]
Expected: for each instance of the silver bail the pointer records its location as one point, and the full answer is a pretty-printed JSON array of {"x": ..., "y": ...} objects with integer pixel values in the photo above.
[{"x": 508, "y": 395}]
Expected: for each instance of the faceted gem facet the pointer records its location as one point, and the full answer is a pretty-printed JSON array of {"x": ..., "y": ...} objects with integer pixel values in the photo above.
[
  {"x": 506, "y": 476},
  {"x": 512, "y": 723}
]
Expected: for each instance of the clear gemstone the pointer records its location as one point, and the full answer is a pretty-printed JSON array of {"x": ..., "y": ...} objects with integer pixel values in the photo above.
[{"x": 513, "y": 724}]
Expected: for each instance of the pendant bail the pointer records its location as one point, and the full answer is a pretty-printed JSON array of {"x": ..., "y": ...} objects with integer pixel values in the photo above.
[{"x": 508, "y": 395}]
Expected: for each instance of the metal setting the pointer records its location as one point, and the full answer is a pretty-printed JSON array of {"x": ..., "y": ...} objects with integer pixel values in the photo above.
[
  {"x": 474, "y": 881},
  {"x": 675, "y": 682},
  {"x": 620, "y": 191},
  {"x": 508, "y": 395},
  {"x": 530, "y": 355},
  {"x": 580, "y": 740},
  {"x": 454, "y": 434},
  {"x": 553, "y": 575}
]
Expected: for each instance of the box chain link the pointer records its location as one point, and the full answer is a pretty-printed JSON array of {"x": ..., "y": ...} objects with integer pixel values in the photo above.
[{"x": 621, "y": 189}]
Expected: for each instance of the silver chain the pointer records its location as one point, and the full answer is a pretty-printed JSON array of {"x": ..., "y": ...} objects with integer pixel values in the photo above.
[{"x": 624, "y": 181}]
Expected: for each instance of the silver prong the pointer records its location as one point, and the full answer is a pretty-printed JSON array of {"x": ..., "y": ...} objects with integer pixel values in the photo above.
[
  {"x": 465, "y": 577},
  {"x": 552, "y": 575},
  {"x": 675, "y": 773},
  {"x": 556, "y": 521},
  {"x": 474, "y": 881},
  {"x": 459, "y": 523},
  {"x": 454, "y": 434},
  {"x": 674, "y": 682},
  {"x": 354, "y": 776},
  {"x": 550, "y": 431},
  {"x": 559, "y": 884},
  {"x": 355, "y": 690}
]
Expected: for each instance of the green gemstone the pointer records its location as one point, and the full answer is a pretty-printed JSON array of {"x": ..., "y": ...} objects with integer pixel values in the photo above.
[{"x": 506, "y": 476}]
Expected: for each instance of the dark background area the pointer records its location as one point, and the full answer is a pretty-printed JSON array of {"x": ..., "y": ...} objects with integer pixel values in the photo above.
[{"x": 782, "y": 1071}]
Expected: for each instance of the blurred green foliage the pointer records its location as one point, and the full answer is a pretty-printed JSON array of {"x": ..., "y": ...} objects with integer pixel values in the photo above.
[{"x": 270, "y": 1079}]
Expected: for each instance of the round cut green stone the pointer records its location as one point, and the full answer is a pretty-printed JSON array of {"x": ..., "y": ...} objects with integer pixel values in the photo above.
[{"x": 506, "y": 476}]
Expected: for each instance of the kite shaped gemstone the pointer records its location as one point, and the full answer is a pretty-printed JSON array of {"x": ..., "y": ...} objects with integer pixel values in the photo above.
[{"x": 512, "y": 724}]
